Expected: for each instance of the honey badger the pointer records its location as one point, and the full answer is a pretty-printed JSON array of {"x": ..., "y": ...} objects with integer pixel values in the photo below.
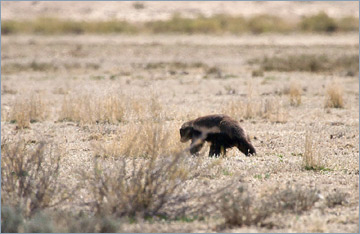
[{"x": 220, "y": 130}]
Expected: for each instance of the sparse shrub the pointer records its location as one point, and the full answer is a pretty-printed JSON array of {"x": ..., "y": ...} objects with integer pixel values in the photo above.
[
  {"x": 81, "y": 223},
  {"x": 336, "y": 198},
  {"x": 39, "y": 223},
  {"x": 295, "y": 94},
  {"x": 11, "y": 219},
  {"x": 40, "y": 66},
  {"x": 348, "y": 24},
  {"x": 175, "y": 65},
  {"x": 6, "y": 90},
  {"x": 137, "y": 187},
  {"x": 86, "y": 224},
  {"x": 50, "y": 26},
  {"x": 215, "y": 24},
  {"x": 319, "y": 23},
  {"x": 138, "y": 5},
  {"x": 214, "y": 72},
  {"x": 267, "y": 23},
  {"x": 294, "y": 199},
  {"x": 310, "y": 63},
  {"x": 334, "y": 96},
  {"x": 207, "y": 25},
  {"x": 28, "y": 110},
  {"x": 9, "y": 27},
  {"x": 242, "y": 208},
  {"x": 29, "y": 176},
  {"x": 257, "y": 72}
]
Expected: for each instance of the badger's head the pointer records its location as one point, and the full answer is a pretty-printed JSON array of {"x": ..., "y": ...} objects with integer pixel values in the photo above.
[{"x": 186, "y": 131}]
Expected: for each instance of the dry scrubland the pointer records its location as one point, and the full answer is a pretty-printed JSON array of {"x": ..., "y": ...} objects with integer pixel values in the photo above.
[
  {"x": 102, "y": 114},
  {"x": 90, "y": 140}
]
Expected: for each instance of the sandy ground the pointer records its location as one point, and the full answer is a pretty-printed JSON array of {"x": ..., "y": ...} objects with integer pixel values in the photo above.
[
  {"x": 162, "y": 10},
  {"x": 184, "y": 93}
]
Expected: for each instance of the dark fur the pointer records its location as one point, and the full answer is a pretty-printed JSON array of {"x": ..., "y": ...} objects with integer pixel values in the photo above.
[{"x": 220, "y": 130}]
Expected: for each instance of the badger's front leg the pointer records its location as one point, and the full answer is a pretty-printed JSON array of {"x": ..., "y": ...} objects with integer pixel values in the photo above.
[
  {"x": 196, "y": 145},
  {"x": 215, "y": 150}
]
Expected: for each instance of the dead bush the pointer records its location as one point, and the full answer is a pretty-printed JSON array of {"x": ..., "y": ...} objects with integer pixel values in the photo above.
[
  {"x": 133, "y": 187},
  {"x": 334, "y": 96},
  {"x": 336, "y": 198},
  {"x": 27, "y": 110},
  {"x": 294, "y": 199},
  {"x": 29, "y": 176},
  {"x": 242, "y": 208}
]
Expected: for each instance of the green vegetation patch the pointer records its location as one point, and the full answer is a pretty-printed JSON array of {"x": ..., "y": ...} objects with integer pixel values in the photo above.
[
  {"x": 45, "y": 25},
  {"x": 310, "y": 63},
  {"x": 216, "y": 24},
  {"x": 324, "y": 23}
]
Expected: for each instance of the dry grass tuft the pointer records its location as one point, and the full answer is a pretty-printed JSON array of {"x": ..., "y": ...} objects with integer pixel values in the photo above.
[
  {"x": 295, "y": 94},
  {"x": 87, "y": 109},
  {"x": 334, "y": 96},
  {"x": 28, "y": 110},
  {"x": 270, "y": 109},
  {"x": 312, "y": 158},
  {"x": 145, "y": 139},
  {"x": 109, "y": 108},
  {"x": 29, "y": 176}
]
